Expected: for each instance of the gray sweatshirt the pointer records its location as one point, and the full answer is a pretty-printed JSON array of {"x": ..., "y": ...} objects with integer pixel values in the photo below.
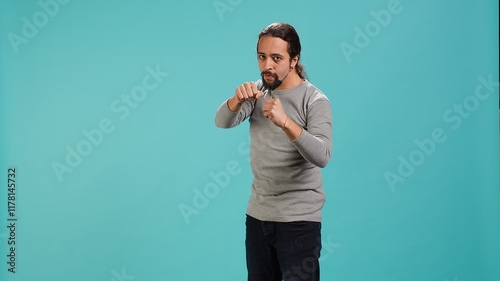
[{"x": 287, "y": 181}]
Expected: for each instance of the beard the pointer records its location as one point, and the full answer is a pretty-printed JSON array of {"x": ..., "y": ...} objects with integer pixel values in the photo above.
[{"x": 271, "y": 86}]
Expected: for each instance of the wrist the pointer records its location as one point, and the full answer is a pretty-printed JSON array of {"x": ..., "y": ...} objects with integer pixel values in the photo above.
[
  {"x": 283, "y": 127},
  {"x": 233, "y": 104}
]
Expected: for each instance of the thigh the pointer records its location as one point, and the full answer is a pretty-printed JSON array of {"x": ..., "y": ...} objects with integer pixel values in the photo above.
[
  {"x": 262, "y": 261},
  {"x": 298, "y": 250}
]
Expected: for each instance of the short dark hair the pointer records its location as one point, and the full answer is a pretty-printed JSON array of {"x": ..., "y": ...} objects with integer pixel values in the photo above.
[{"x": 288, "y": 33}]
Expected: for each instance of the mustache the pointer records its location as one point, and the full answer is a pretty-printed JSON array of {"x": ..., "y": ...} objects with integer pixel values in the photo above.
[{"x": 267, "y": 72}]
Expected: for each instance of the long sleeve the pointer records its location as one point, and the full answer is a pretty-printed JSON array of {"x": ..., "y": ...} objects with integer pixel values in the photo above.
[
  {"x": 315, "y": 143},
  {"x": 225, "y": 118}
]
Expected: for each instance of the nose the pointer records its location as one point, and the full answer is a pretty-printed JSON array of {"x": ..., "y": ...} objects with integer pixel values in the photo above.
[{"x": 268, "y": 64}]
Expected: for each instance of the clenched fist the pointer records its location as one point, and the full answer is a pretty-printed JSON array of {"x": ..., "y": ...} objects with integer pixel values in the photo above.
[
  {"x": 245, "y": 92},
  {"x": 273, "y": 110}
]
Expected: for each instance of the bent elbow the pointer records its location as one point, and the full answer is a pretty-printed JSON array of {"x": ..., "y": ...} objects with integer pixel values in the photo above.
[
  {"x": 323, "y": 162},
  {"x": 326, "y": 159},
  {"x": 218, "y": 124},
  {"x": 222, "y": 124}
]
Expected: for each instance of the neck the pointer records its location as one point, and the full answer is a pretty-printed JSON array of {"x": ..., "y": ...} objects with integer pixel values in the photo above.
[{"x": 291, "y": 80}]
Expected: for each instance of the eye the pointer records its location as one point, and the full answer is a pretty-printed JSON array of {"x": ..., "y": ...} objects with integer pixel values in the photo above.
[
  {"x": 261, "y": 57},
  {"x": 277, "y": 58}
]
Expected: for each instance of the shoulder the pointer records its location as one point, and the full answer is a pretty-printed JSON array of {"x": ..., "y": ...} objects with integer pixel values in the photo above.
[{"x": 314, "y": 94}]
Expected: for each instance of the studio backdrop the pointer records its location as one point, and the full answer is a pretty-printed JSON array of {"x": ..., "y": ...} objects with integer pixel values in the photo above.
[{"x": 112, "y": 169}]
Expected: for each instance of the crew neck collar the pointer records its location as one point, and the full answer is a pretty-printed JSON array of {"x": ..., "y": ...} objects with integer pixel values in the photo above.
[{"x": 283, "y": 91}]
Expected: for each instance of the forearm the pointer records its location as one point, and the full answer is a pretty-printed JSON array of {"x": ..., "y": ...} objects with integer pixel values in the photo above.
[
  {"x": 315, "y": 149},
  {"x": 314, "y": 142},
  {"x": 291, "y": 129},
  {"x": 234, "y": 104},
  {"x": 227, "y": 118}
]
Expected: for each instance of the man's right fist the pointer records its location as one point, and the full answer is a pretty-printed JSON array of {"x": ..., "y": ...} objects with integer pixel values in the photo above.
[{"x": 247, "y": 91}]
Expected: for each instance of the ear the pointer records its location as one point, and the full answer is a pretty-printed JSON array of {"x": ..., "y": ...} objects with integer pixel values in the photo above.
[{"x": 294, "y": 61}]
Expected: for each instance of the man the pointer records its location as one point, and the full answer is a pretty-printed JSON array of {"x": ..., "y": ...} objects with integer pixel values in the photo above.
[{"x": 290, "y": 129}]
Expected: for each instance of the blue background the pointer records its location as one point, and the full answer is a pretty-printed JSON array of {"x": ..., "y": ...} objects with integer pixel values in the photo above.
[{"x": 116, "y": 215}]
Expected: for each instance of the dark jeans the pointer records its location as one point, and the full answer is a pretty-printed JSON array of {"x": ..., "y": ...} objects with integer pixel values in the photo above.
[{"x": 282, "y": 250}]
